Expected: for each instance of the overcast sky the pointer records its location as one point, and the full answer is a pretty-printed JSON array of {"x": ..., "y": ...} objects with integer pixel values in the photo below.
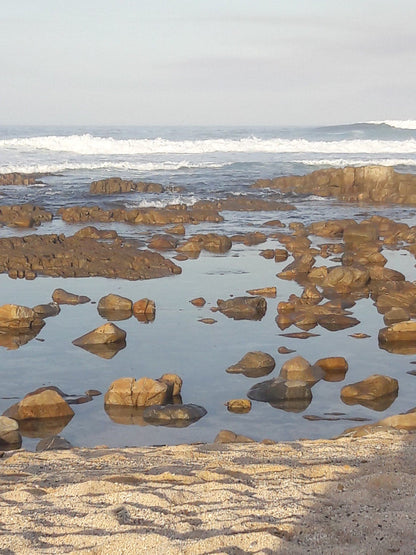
[{"x": 277, "y": 62}]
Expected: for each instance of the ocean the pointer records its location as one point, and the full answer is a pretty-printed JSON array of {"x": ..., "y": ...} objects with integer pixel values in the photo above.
[{"x": 206, "y": 163}]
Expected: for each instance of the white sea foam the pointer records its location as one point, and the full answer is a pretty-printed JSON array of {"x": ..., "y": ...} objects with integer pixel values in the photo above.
[
  {"x": 107, "y": 165},
  {"x": 341, "y": 162},
  {"x": 90, "y": 145},
  {"x": 398, "y": 123}
]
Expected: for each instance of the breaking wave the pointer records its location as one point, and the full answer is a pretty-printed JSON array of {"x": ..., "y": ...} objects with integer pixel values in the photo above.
[
  {"x": 91, "y": 145},
  {"x": 342, "y": 162}
]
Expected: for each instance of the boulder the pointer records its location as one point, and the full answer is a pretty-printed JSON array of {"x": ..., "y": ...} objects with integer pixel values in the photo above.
[
  {"x": 279, "y": 389},
  {"x": 47, "y": 404},
  {"x": 16, "y": 318},
  {"x": 396, "y": 314},
  {"x": 92, "y": 232},
  {"x": 116, "y": 185},
  {"x": 115, "y": 307},
  {"x": 174, "y": 382},
  {"x": 227, "y": 436},
  {"x": 243, "y": 308},
  {"x": 144, "y": 310},
  {"x": 60, "y": 296},
  {"x": 239, "y": 406},
  {"x": 334, "y": 368},
  {"x": 53, "y": 443},
  {"x": 299, "y": 369},
  {"x": 10, "y": 437},
  {"x": 137, "y": 393},
  {"x": 103, "y": 335},
  {"x": 370, "y": 389},
  {"x": 47, "y": 310},
  {"x": 399, "y": 337},
  {"x": 346, "y": 278},
  {"x": 360, "y": 233},
  {"x": 176, "y": 416},
  {"x": 163, "y": 242},
  {"x": 253, "y": 365}
]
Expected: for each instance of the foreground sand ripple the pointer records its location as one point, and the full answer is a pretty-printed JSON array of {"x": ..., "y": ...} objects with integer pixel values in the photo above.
[{"x": 342, "y": 496}]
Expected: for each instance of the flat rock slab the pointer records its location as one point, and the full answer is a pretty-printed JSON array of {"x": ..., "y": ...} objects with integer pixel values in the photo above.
[{"x": 299, "y": 497}]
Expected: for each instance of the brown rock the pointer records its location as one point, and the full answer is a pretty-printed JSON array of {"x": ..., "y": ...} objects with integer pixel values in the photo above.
[
  {"x": 114, "y": 302},
  {"x": 60, "y": 296},
  {"x": 347, "y": 278},
  {"x": 23, "y": 215},
  {"x": 369, "y": 389},
  {"x": 114, "y": 185},
  {"x": 334, "y": 368},
  {"x": 263, "y": 291},
  {"x": 253, "y": 364},
  {"x": 137, "y": 393},
  {"x": 47, "y": 404},
  {"x": 285, "y": 351},
  {"x": 10, "y": 437},
  {"x": 280, "y": 255},
  {"x": 227, "y": 436},
  {"x": 359, "y": 233},
  {"x": 163, "y": 242},
  {"x": 176, "y": 416},
  {"x": 398, "y": 337},
  {"x": 396, "y": 314},
  {"x": 47, "y": 310},
  {"x": 103, "y": 335},
  {"x": 207, "y": 321},
  {"x": 92, "y": 232},
  {"x": 239, "y": 406},
  {"x": 18, "y": 318},
  {"x": 199, "y": 301},
  {"x": 144, "y": 306},
  {"x": 299, "y": 369},
  {"x": 174, "y": 382},
  {"x": 243, "y": 308}
]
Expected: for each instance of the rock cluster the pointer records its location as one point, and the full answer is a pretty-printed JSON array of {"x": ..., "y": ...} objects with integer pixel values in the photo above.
[
  {"x": 23, "y": 215},
  {"x": 75, "y": 256},
  {"x": 115, "y": 185},
  {"x": 16, "y": 178},
  {"x": 367, "y": 184}
]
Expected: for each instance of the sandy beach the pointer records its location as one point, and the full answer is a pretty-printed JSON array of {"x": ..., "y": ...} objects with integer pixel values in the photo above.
[{"x": 323, "y": 496}]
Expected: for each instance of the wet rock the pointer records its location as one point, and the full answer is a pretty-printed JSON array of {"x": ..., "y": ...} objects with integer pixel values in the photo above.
[
  {"x": 47, "y": 404},
  {"x": 92, "y": 232},
  {"x": 199, "y": 301},
  {"x": 396, "y": 314},
  {"x": 10, "y": 437},
  {"x": 211, "y": 242},
  {"x": 177, "y": 229},
  {"x": 103, "y": 335},
  {"x": 47, "y": 310},
  {"x": 347, "y": 278},
  {"x": 23, "y": 215},
  {"x": 279, "y": 389},
  {"x": 176, "y": 416},
  {"x": 115, "y": 307},
  {"x": 16, "y": 178},
  {"x": 60, "y": 296},
  {"x": 53, "y": 443},
  {"x": 267, "y": 253},
  {"x": 146, "y": 308},
  {"x": 163, "y": 242},
  {"x": 330, "y": 228},
  {"x": 274, "y": 223},
  {"x": 285, "y": 351},
  {"x": 299, "y": 369},
  {"x": 263, "y": 291},
  {"x": 239, "y": 406},
  {"x": 244, "y": 203},
  {"x": 227, "y": 436},
  {"x": 400, "y": 421},
  {"x": 366, "y": 184},
  {"x": 299, "y": 335},
  {"x": 207, "y": 321},
  {"x": 399, "y": 337},
  {"x": 243, "y": 308},
  {"x": 334, "y": 368},
  {"x": 280, "y": 255},
  {"x": 16, "y": 318},
  {"x": 250, "y": 239},
  {"x": 359, "y": 233},
  {"x": 137, "y": 393},
  {"x": 335, "y": 322},
  {"x": 370, "y": 389},
  {"x": 253, "y": 365},
  {"x": 174, "y": 382},
  {"x": 378, "y": 273},
  {"x": 301, "y": 266},
  {"x": 115, "y": 185}
]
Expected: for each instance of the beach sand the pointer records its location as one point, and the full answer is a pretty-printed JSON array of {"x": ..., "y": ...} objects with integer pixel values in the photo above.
[{"x": 349, "y": 495}]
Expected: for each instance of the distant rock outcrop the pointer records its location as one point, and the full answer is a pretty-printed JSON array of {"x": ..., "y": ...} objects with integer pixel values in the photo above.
[
  {"x": 366, "y": 184},
  {"x": 115, "y": 185}
]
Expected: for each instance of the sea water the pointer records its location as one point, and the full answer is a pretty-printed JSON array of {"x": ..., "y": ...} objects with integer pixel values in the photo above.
[{"x": 206, "y": 163}]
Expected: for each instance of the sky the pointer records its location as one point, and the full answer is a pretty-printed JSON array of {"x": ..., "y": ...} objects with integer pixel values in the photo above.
[{"x": 200, "y": 62}]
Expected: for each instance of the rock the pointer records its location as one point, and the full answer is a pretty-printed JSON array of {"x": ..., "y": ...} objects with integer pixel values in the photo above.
[
  {"x": 299, "y": 369},
  {"x": 144, "y": 310},
  {"x": 370, "y": 389},
  {"x": 174, "y": 382},
  {"x": 399, "y": 337},
  {"x": 396, "y": 314},
  {"x": 239, "y": 406},
  {"x": 367, "y": 184},
  {"x": 253, "y": 365},
  {"x": 335, "y": 322},
  {"x": 199, "y": 301},
  {"x": 243, "y": 308},
  {"x": 60, "y": 296},
  {"x": 16, "y": 318},
  {"x": 177, "y": 229},
  {"x": 61, "y": 256},
  {"x": 330, "y": 228},
  {"x": 359, "y": 233},
  {"x": 400, "y": 421},
  {"x": 346, "y": 278},
  {"x": 23, "y": 215},
  {"x": 334, "y": 368},
  {"x": 103, "y": 335},
  {"x": 280, "y": 255},
  {"x": 208, "y": 321},
  {"x": 16, "y": 178},
  {"x": 177, "y": 416},
  {"x": 92, "y": 232},
  {"x": 250, "y": 239},
  {"x": 163, "y": 242},
  {"x": 10, "y": 437},
  {"x": 268, "y": 254},
  {"x": 211, "y": 242},
  {"x": 243, "y": 203},
  {"x": 53, "y": 443},
  {"x": 301, "y": 266},
  {"x": 115, "y": 185},
  {"x": 299, "y": 335},
  {"x": 285, "y": 351},
  {"x": 280, "y": 389},
  {"x": 227, "y": 436},
  {"x": 115, "y": 307},
  {"x": 137, "y": 393},
  {"x": 263, "y": 291},
  {"x": 47, "y": 404},
  {"x": 47, "y": 310}
]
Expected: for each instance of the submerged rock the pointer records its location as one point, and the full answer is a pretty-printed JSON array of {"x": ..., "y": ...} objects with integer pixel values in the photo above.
[
  {"x": 114, "y": 185},
  {"x": 47, "y": 310},
  {"x": 243, "y": 308},
  {"x": 176, "y": 416},
  {"x": 253, "y": 365}
]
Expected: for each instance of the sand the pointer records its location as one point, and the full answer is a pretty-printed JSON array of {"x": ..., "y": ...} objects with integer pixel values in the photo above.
[{"x": 350, "y": 495}]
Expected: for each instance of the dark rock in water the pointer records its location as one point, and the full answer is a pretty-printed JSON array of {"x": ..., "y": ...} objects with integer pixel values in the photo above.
[
  {"x": 163, "y": 242},
  {"x": 14, "y": 339},
  {"x": 60, "y": 296},
  {"x": 93, "y": 392},
  {"x": 335, "y": 322},
  {"x": 243, "y": 308},
  {"x": 244, "y": 203},
  {"x": 279, "y": 389},
  {"x": 253, "y": 365},
  {"x": 115, "y": 307},
  {"x": 299, "y": 335},
  {"x": 176, "y": 416},
  {"x": 10, "y": 437},
  {"x": 47, "y": 310},
  {"x": 92, "y": 232},
  {"x": 16, "y": 178},
  {"x": 114, "y": 185},
  {"x": 227, "y": 436},
  {"x": 365, "y": 184},
  {"x": 53, "y": 443}
]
